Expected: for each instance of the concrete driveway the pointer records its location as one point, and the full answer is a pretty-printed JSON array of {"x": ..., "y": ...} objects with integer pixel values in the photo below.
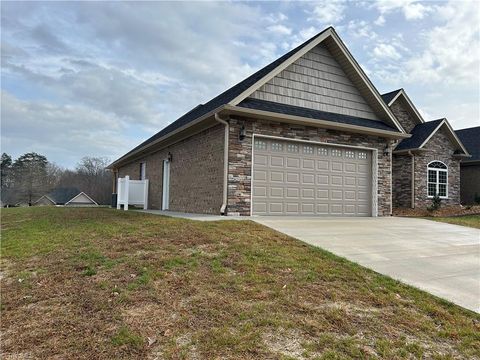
[{"x": 440, "y": 258}]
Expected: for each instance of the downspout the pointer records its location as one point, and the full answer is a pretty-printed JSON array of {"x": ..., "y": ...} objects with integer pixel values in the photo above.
[
  {"x": 225, "y": 164},
  {"x": 412, "y": 190}
]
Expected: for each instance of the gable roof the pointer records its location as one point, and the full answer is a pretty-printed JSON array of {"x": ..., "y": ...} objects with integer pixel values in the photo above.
[
  {"x": 80, "y": 194},
  {"x": 223, "y": 98},
  {"x": 470, "y": 137},
  {"x": 393, "y": 96},
  {"x": 421, "y": 133},
  {"x": 239, "y": 92},
  {"x": 46, "y": 197},
  {"x": 62, "y": 195},
  {"x": 388, "y": 97}
]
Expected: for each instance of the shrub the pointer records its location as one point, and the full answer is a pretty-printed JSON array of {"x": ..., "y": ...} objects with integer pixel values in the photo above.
[{"x": 436, "y": 203}]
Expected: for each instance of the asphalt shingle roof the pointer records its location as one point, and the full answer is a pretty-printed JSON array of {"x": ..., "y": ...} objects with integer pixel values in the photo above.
[
  {"x": 387, "y": 97},
  {"x": 312, "y": 114},
  {"x": 62, "y": 195},
  {"x": 470, "y": 138},
  {"x": 223, "y": 98},
  {"x": 420, "y": 133}
]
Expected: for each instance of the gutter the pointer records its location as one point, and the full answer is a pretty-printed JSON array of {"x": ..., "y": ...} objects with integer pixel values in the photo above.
[
  {"x": 225, "y": 164},
  {"x": 413, "y": 180},
  {"x": 262, "y": 114}
]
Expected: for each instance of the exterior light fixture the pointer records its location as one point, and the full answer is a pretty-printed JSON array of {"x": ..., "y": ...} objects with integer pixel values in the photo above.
[
  {"x": 386, "y": 150},
  {"x": 169, "y": 157},
  {"x": 242, "y": 134}
]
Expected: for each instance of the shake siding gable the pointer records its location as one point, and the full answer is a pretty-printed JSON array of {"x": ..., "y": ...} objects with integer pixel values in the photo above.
[{"x": 316, "y": 81}]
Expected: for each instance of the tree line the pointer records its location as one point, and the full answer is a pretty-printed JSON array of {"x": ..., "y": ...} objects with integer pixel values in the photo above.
[{"x": 30, "y": 176}]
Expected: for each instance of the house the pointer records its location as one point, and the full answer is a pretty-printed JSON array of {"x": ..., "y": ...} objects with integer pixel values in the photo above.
[
  {"x": 66, "y": 196},
  {"x": 308, "y": 134},
  {"x": 428, "y": 162},
  {"x": 470, "y": 167}
]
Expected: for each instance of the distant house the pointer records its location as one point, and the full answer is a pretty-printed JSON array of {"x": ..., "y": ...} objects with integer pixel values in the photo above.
[
  {"x": 470, "y": 167},
  {"x": 67, "y": 197}
]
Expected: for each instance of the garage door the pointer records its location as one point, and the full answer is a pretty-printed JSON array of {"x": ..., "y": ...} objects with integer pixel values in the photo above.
[{"x": 295, "y": 178}]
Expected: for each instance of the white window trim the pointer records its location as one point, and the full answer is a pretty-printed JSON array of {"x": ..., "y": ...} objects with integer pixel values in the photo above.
[{"x": 437, "y": 183}]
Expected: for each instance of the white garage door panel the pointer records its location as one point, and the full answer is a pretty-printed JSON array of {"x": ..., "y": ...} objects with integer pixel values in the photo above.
[{"x": 293, "y": 178}]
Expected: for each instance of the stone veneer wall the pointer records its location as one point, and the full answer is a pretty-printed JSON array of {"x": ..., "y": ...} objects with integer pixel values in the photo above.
[
  {"x": 470, "y": 182},
  {"x": 439, "y": 147},
  {"x": 402, "y": 181},
  {"x": 403, "y": 116},
  {"x": 196, "y": 173},
  {"x": 240, "y": 159}
]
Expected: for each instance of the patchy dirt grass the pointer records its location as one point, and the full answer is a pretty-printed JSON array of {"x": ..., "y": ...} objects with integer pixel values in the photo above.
[
  {"x": 467, "y": 220},
  {"x": 99, "y": 283}
]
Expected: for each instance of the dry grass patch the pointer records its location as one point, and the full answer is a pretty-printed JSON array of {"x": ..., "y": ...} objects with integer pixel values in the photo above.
[{"x": 100, "y": 283}]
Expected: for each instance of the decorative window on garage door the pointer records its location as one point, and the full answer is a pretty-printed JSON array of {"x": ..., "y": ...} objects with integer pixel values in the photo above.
[
  {"x": 437, "y": 179},
  {"x": 260, "y": 145},
  {"x": 277, "y": 146}
]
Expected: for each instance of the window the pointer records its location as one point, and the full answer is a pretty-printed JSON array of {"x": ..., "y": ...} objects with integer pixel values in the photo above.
[
  {"x": 437, "y": 179},
  {"x": 277, "y": 146},
  {"x": 260, "y": 145},
  {"x": 322, "y": 151},
  {"x": 142, "y": 171},
  {"x": 350, "y": 154},
  {"x": 292, "y": 148},
  {"x": 307, "y": 149},
  {"x": 336, "y": 152},
  {"x": 362, "y": 155}
]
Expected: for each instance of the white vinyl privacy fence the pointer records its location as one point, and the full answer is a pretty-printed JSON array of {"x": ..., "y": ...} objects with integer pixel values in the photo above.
[{"x": 132, "y": 192}]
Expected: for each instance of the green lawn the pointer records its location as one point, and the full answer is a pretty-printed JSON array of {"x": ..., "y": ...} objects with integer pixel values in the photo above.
[
  {"x": 99, "y": 283},
  {"x": 467, "y": 220}
]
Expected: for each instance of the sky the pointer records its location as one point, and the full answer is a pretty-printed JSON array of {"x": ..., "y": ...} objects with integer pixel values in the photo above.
[{"x": 97, "y": 78}]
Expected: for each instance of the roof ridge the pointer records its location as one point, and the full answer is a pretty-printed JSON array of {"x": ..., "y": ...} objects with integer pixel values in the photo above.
[
  {"x": 469, "y": 128},
  {"x": 393, "y": 91}
]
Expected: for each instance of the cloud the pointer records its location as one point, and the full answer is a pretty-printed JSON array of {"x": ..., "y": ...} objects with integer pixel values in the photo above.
[
  {"x": 328, "y": 12},
  {"x": 361, "y": 28},
  {"x": 386, "y": 51},
  {"x": 279, "y": 29},
  {"x": 62, "y": 132},
  {"x": 380, "y": 21},
  {"x": 411, "y": 9},
  {"x": 119, "y": 62},
  {"x": 452, "y": 50}
]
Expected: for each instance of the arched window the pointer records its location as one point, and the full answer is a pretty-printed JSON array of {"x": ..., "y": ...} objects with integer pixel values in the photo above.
[{"x": 437, "y": 179}]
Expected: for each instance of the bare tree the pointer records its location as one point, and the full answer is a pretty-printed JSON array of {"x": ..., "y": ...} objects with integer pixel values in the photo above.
[{"x": 95, "y": 178}]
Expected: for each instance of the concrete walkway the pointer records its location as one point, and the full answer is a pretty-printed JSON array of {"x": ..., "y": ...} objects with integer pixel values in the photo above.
[{"x": 440, "y": 258}]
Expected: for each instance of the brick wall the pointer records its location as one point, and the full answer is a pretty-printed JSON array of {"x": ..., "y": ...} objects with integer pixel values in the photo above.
[
  {"x": 470, "y": 183},
  {"x": 402, "y": 181},
  {"x": 240, "y": 161},
  {"x": 196, "y": 173},
  {"x": 439, "y": 147},
  {"x": 403, "y": 116}
]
